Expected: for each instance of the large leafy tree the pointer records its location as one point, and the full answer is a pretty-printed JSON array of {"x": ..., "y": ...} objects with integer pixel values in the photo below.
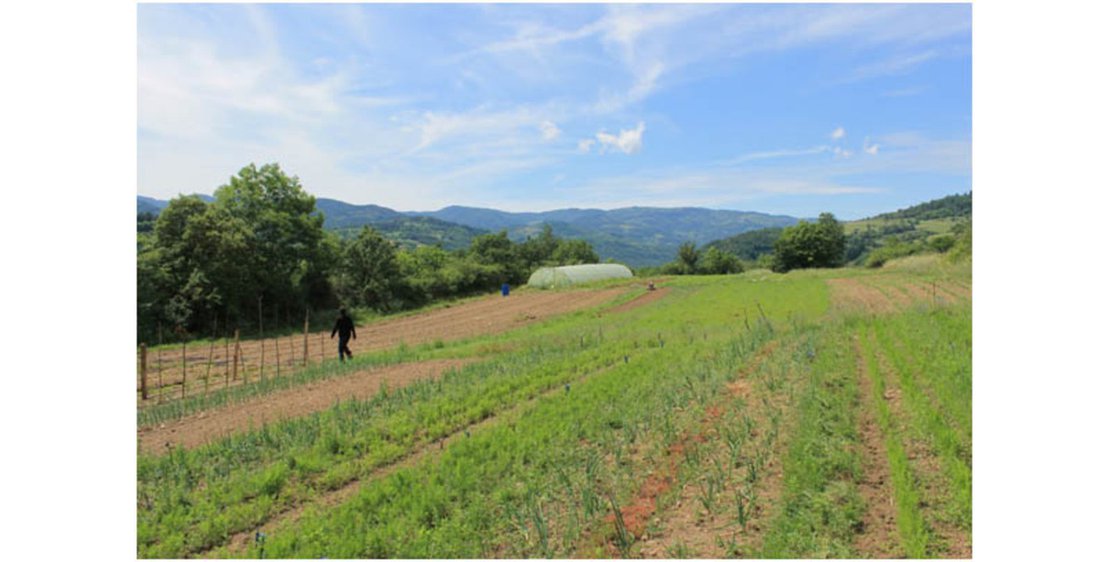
[
  {"x": 261, "y": 238},
  {"x": 285, "y": 231},
  {"x": 496, "y": 251},
  {"x": 811, "y": 245},
  {"x": 574, "y": 252},
  {"x": 368, "y": 272},
  {"x": 715, "y": 262}
]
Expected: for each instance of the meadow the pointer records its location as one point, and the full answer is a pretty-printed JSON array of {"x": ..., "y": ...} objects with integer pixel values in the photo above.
[{"x": 820, "y": 413}]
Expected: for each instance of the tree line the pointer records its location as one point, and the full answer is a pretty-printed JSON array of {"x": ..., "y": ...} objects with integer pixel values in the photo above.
[
  {"x": 259, "y": 255},
  {"x": 804, "y": 245}
]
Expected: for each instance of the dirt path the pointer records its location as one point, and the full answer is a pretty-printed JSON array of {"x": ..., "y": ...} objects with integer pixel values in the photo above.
[
  {"x": 879, "y": 536},
  {"x": 646, "y": 298},
  {"x": 686, "y": 521},
  {"x": 926, "y": 467},
  {"x": 206, "y": 426},
  {"x": 851, "y": 295},
  {"x": 487, "y": 315}
]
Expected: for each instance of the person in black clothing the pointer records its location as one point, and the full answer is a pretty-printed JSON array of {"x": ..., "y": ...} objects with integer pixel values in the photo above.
[{"x": 346, "y": 328}]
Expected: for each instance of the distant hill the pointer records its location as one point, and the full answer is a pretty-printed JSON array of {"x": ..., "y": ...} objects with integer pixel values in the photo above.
[
  {"x": 749, "y": 245},
  {"x": 917, "y": 223},
  {"x": 952, "y": 206},
  {"x": 637, "y": 236}
]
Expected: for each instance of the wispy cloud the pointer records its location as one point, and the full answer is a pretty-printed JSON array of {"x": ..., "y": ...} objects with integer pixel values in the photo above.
[
  {"x": 837, "y": 134},
  {"x": 628, "y": 141},
  {"x": 892, "y": 66},
  {"x": 549, "y": 131},
  {"x": 775, "y": 154}
]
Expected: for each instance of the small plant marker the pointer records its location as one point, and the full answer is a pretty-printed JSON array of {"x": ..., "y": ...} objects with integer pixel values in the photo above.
[
  {"x": 304, "y": 363},
  {"x": 208, "y": 369},
  {"x": 235, "y": 367},
  {"x": 142, "y": 368},
  {"x": 183, "y": 365}
]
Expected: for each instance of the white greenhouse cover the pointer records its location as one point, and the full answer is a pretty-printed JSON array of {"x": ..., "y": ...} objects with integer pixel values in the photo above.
[{"x": 549, "y": 277}]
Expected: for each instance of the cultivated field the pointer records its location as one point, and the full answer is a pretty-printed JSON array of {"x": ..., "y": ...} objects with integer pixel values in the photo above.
[{"x": 813, "y": 414}]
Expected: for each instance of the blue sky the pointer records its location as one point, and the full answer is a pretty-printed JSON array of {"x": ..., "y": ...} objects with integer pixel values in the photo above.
[{"x": 792, "y": 109}]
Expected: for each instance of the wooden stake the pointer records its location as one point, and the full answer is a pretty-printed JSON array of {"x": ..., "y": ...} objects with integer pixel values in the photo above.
[
  {"x": 183, "y": 369},
  {"x": 208, "y": 370},
  {"x": 261, "y": 360},
  {"x": 322, "y": 358},
  {"x": 292, "y": 352},
  {"x": 227, "y": 362},
  {"x": 277, "y": 356},
  {"x": 235, "y": 364},
  {"x": 304, "y": 363},
  {"x": 160, "y": 363},
  {"x": 142, "y": 354}
]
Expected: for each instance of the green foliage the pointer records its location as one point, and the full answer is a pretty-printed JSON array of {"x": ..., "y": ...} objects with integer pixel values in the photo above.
[
  {"x": 574, "y": 252},
  {"x": 716, "y": 262},
  {"x": 212, "y": 262},
  {"x": 811, "y": 245},
  {"x": 749, "y": 245},
  {"x": 368, "y": 273},
  {"x": 946, "y": 207}
]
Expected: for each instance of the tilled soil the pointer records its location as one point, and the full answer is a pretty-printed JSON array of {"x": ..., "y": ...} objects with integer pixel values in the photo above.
[
  {"x": 487, "y": 315},
  {"x": 879, "y": 536},
  {"x": 206, "y": 426}
]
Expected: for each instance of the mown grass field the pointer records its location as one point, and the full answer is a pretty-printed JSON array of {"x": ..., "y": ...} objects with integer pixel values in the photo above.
[{"x": 812, "y": 414}]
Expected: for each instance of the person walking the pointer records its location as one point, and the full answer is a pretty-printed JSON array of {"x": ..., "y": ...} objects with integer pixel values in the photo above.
[{"x": 346, "y": 329}]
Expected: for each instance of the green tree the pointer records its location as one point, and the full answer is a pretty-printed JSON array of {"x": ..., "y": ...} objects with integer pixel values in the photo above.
[
  {"x": 715, "y": 262},
  {"x": 687, "y": 260},
  {"x": 537, "y": 251},
  {"x": 285, "y": 233},
  {"x": 811, "y": 245},
  {"x": 496, "y": 251},
  {"x": 574, "y": 252},
  {"x": 369, "y": 274}
]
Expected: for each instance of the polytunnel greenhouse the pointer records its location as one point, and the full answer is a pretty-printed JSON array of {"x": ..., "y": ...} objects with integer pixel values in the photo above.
[{"x": 567, "y": 275}]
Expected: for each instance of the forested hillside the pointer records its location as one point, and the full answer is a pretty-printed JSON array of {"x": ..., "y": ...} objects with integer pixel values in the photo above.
[{"x": 931, "y": 226}]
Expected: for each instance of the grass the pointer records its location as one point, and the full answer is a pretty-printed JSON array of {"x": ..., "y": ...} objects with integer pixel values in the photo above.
[{"x": 556, "y": 427}]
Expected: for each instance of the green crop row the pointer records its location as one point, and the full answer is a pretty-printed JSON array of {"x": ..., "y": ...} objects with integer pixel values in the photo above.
[
  {"x": 496, "y": 484},
  {"x": 820, "y": 507}
]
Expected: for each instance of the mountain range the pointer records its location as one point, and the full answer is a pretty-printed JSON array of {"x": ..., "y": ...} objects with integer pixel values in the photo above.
[{"x": 636, "y": 236}]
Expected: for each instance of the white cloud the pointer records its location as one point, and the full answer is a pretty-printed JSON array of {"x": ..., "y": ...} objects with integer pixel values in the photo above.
[
  {"x": 893, "y": 66},
  {"x": 628, "y": 141},
  {"x": 837, "y": 133},
  {"x": 771, "y": 154},
  {"x": 585, "y": 145},
  {"x": 549, "y": 131},
  {"x": 842, "y": 152},
  {"x": 870, "y": 148}
]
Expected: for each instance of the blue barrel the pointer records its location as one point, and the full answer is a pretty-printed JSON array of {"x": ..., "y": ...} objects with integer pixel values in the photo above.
[{"x": 504, "y": 289}]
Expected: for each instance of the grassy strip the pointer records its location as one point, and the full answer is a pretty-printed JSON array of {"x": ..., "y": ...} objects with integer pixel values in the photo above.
[
  {"x": 928, "y": 423},
  {"x": 821, "y": 507},
  {"x": 911, "y": 525}
]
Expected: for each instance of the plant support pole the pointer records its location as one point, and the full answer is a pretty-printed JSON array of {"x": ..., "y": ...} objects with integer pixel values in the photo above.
[
  {"x": 183, "y": 369},
  {"x": 305, "y": 362},
  {"x": 142, "y": 368}
]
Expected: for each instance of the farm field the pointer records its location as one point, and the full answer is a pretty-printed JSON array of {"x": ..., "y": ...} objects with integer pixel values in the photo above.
[
  {"x": 174, "y": 372},
  {"x": 806, "y": 415}
]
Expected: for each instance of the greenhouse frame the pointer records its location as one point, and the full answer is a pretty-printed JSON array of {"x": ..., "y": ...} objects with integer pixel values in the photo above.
[{"x": 567, "y": 275}]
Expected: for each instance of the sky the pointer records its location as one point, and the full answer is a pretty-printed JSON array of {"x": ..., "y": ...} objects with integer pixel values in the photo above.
[{"x": 786, "y": 109}]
